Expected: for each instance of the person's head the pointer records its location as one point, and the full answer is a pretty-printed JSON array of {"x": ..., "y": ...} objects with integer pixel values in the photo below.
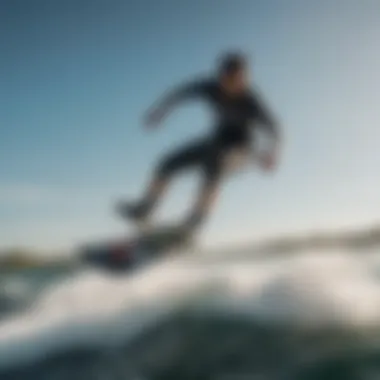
[{"x": 232, "y": 72}]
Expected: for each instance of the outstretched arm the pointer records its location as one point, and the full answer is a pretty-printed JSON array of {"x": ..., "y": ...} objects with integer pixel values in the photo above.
[{"x": 168, "y": 101}]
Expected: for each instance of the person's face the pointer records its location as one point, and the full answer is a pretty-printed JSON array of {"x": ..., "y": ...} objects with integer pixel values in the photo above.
[{"x": 236, "y": 82}]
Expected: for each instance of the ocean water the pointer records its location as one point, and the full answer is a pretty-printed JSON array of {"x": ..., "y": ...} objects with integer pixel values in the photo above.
[
  {"x": 314, "y": 315},
  {"x": 21, "y": 288}
]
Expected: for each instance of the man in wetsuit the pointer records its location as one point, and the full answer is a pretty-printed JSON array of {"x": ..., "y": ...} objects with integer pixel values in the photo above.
[{"x": 237, "y": 108}]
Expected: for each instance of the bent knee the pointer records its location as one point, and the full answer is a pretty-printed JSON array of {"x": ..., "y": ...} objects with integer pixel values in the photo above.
[
  {"x": 212, "y": 177},
  {"x": 166, "y": 167}
]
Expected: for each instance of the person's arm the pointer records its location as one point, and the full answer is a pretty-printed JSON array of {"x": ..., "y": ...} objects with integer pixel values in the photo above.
[
  {"x": 265, "y": 117},
  {"x": 268, "y": 122},
  {"x": 172, "y": 98}
]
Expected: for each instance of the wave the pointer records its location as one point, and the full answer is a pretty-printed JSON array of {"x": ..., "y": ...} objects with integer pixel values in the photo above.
[{"x": 91, "y": 309}]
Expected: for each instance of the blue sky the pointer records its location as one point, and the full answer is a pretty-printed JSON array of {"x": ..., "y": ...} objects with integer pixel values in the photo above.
[{"x": 76, "y": 77}]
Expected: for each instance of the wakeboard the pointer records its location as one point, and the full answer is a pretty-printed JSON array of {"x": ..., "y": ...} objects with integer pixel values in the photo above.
[{"x": 146, "y": 245}]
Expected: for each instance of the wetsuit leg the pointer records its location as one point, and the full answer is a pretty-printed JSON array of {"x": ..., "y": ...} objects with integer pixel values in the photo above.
[
  {"x": 213, "y": 168},
  {"x": 193, "y": 154},
  {"x": 186, "y": 157}
]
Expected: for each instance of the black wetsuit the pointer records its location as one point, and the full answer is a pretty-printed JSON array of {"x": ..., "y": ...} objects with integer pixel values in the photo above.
[{"x": 235, "y": 117}]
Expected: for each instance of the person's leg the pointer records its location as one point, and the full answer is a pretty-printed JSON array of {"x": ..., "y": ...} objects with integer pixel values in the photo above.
[
  {"x": 213, "y": 167},
  {"x": 179, "y": 160},
  {"x": 203, "y": 205}
]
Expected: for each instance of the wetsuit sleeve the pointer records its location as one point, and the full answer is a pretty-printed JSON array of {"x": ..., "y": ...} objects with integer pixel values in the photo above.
[
  {"x": 190, "y": 90},
  {"x": 264, "y": 116}
]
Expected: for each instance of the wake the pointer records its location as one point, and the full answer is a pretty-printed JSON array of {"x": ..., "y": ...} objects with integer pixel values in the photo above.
[{"x": 91, "y": 309}]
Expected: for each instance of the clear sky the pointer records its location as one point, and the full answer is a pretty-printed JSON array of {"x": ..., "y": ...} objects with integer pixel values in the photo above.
[{"x": 77, "y": 75}]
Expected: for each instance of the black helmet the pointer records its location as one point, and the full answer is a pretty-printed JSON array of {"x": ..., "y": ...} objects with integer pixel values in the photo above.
[{"x": 231, "y": 62}]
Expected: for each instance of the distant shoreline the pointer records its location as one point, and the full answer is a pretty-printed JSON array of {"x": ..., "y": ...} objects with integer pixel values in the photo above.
[{"x": 355, "y": 238}]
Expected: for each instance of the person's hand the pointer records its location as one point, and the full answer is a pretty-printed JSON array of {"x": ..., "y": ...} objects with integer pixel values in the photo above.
[
  {"x": 154, "y": 117},
  {"x": 268, "y": 160}
]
